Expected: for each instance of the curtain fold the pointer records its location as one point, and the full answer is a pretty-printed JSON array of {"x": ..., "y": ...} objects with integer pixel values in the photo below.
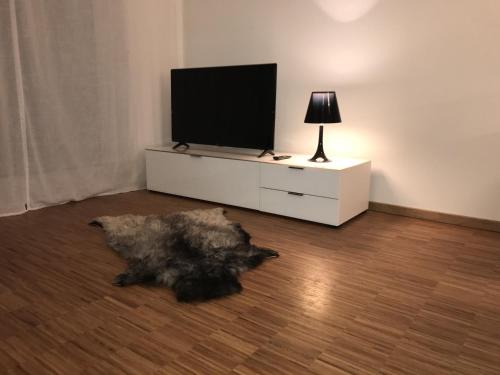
[
  {"x": 12, "y": 164},
  {"x": 94, "y": 78}
]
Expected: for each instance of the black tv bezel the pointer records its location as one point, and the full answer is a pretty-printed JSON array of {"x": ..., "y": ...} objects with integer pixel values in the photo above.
[{"x": 254, "y": 147}]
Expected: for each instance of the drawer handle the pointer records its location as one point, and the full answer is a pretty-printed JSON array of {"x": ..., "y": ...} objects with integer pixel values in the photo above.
[
  {"x": 294, "y": 193},
  {"x": 292, "y": 167},
  {"x": 195, "y": 155}
]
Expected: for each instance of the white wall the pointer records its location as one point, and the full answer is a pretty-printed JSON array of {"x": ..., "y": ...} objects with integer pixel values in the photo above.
[
  {"x": 154, "y": 33},
  {"x": 418, "y": 85}
]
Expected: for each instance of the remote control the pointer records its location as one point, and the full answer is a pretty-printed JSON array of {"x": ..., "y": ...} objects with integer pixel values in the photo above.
[{"x": 282, "y": 157}]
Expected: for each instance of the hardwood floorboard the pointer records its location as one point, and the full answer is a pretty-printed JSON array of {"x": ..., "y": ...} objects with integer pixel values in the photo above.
[{"x": 381, "y": 294}]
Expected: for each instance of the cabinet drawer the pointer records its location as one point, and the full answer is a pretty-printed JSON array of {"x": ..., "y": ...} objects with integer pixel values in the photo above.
[
  {"x": 220, "y": 180},
  {"x": 307, "y": 207},
  {"x": 312, "y": 181}
]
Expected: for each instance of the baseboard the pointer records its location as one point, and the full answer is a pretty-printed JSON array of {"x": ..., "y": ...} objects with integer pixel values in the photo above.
[{"x": 464, "y": 221}]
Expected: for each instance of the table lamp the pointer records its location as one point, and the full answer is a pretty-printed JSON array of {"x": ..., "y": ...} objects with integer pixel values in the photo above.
[{"x": 323, "y": 109}]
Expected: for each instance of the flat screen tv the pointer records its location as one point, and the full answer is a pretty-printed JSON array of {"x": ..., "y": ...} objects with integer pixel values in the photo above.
[{"x": 230, "y": 106}]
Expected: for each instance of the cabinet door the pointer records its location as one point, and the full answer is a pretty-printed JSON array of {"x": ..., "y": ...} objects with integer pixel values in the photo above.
[{"x": 227, "y": 181}]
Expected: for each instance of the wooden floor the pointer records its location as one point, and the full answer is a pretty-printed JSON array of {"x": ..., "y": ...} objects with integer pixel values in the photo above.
[{"x": 381, "y": 294}]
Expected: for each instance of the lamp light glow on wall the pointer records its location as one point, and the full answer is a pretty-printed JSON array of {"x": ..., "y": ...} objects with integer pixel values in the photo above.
[{"x": 323, "y": 109}]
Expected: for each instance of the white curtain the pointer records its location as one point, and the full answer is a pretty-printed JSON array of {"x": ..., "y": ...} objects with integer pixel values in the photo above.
[{"x": 80, "y": 96}]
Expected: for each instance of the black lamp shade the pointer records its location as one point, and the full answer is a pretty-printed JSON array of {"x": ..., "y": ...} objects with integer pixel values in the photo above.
[{"x": 323, "y": 108}]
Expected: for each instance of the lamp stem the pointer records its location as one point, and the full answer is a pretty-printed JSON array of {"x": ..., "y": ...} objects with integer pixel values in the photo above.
[{"x": 320, "y": 153}]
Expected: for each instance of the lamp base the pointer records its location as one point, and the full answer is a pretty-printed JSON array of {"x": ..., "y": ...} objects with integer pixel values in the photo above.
[{"x": 319, "y": 156}]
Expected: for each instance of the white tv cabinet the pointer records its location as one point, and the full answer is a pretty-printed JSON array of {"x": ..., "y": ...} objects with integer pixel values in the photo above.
[{"x": 329, "y": 193}]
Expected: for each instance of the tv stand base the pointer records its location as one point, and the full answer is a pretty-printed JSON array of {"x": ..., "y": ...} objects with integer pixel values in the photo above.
[
  {"x": 179, "y": 144},
  {"x": 263, "y": 153}
]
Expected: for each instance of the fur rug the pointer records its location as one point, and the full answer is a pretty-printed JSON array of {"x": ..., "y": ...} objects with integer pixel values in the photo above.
[{"x": 199, "y": 254}]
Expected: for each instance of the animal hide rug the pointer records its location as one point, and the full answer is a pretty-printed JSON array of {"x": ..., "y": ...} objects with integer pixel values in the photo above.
[{"x": 199, "y": 253}]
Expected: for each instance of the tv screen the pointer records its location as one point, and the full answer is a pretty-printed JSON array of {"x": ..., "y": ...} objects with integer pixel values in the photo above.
[{"x": 225, "y": 106}]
